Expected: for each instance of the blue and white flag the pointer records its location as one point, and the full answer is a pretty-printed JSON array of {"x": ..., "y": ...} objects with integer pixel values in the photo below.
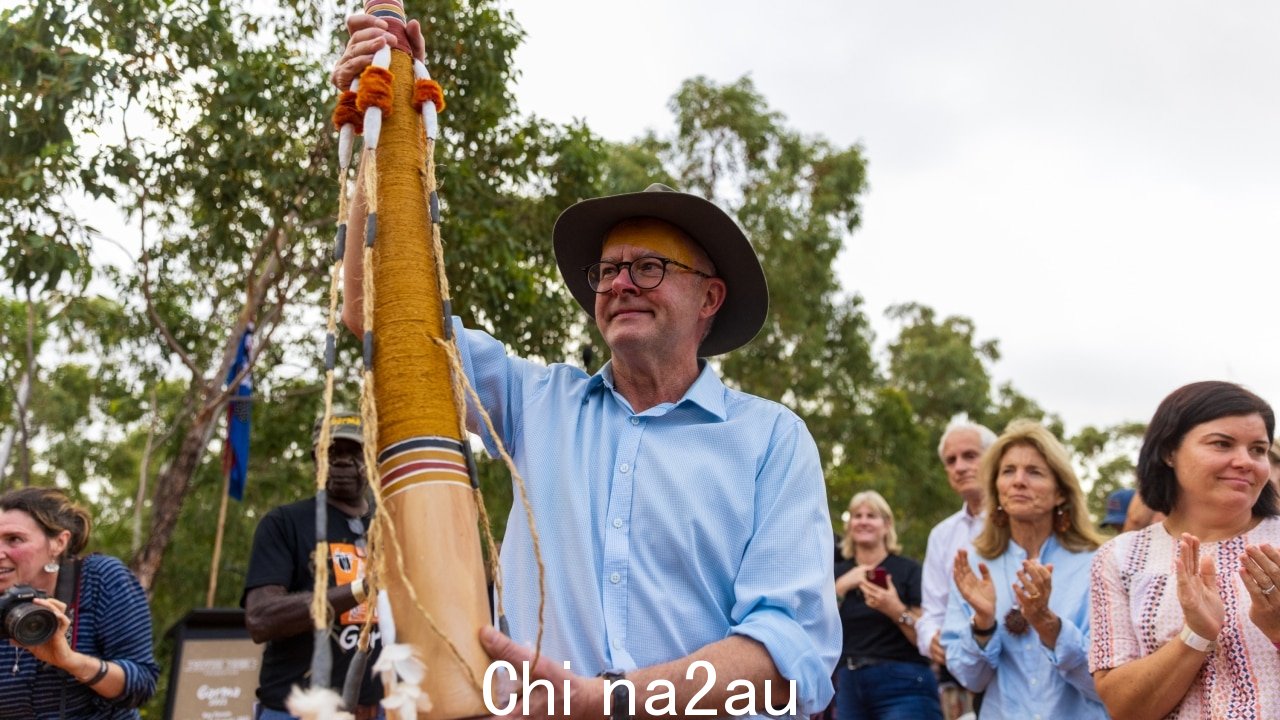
[{"x": 235, "y": 451}]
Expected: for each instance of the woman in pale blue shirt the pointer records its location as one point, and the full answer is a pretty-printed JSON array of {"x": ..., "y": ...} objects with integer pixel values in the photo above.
[{"x": 1017, "y": 624}]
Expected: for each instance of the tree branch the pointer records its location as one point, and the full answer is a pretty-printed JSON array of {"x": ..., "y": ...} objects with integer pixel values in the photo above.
[{"x": 152, "y": 314}]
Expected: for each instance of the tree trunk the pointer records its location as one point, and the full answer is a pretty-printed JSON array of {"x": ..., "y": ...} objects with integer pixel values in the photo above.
[
  {"x": 174, "y": 481},
  {"x": 171, "y": 491}
]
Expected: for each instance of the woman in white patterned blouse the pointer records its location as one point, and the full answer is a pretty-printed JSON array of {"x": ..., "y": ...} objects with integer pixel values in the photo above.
[{"x": 1185, "y": 613}]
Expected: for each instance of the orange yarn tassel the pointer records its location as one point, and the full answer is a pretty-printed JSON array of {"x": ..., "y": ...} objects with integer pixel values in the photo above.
[
  {"x": 424, "y": 90},
  {"x": 346, "y": 112},
  {"x": 375, "y": 90}
]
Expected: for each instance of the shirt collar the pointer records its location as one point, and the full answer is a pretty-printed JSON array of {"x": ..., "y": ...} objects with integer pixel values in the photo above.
[{"x": 706, "y": 392}]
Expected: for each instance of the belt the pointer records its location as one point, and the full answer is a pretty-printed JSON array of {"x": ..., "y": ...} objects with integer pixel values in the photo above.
[{"x": 853, "y": 663}]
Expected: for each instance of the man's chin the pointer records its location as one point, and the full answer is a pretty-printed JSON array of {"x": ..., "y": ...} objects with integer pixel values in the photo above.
[{"x": 621, "y": 340}]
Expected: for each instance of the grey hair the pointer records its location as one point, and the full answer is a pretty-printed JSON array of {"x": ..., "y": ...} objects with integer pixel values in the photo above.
[{"x": 962, "y": 422}]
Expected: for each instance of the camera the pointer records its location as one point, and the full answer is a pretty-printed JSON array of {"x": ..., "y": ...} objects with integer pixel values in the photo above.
[{"x": 24, "y": 621}]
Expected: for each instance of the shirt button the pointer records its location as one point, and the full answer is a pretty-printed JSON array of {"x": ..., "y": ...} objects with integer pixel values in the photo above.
[
  {"x": 617, "y": 644},
  {"x": 615, "y": 578},
  {"x": 617, "y": 522},
  {"x": 1033, "y": 682},
  {"x": 626, "y": 467},
  {"x": 635, "y": 421}
]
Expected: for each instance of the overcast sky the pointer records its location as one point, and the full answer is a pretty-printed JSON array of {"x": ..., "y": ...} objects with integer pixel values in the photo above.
[{"x": 1095, "y": 184}]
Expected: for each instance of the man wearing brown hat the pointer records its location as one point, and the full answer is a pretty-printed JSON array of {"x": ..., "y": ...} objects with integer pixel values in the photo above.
[
  {"x": 281, "y": 578},
  {"x": 679, "y": 520}
]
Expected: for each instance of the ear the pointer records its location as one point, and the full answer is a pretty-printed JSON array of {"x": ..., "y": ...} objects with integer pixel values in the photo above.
[
  {"x": 713, "y": 298},
  {"x": 59, "y": 542}
]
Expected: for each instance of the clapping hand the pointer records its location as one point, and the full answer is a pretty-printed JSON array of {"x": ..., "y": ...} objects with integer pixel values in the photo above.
[
  {"x": 1198, "y": 591},
  {"x": 1260, "y": 569},
  {"x": 979, "y": 592},
  {"x": 1031, "y": 593}
]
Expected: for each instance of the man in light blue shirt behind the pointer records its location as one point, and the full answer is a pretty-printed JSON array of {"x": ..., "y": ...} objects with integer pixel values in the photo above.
[{"x": 679, "y": 520}]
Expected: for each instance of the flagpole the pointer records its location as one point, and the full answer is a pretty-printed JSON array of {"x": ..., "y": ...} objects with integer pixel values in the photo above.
[{"x": 217, "y": 542}]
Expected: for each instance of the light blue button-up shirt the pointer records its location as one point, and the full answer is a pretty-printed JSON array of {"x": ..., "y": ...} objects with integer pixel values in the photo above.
[
  {"x": 661, "y": 531},
  {"x": 1023, "y": 679}
]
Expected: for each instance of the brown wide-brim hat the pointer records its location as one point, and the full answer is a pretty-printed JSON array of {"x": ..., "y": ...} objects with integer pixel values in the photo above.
[{"x": 580, "y": 233}]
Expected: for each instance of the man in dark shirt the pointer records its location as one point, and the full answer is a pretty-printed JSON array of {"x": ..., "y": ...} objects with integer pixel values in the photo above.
[{"x": 281, "y": 579}]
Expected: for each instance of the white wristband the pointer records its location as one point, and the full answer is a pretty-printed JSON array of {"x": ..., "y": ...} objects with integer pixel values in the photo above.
[{"x": 1195, "y": 642}]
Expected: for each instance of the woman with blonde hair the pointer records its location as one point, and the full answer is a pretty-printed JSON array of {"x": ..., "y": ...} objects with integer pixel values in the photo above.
[
  {"x": 1017, "y": 624},
  {"x": 881, "y": 674}
]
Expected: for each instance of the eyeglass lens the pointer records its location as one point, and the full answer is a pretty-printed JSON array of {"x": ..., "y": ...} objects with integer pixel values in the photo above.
[{"x": 646, "y": 273}]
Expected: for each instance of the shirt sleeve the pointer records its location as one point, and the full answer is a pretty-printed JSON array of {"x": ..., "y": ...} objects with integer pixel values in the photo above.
[
  {"x": 933, "y": 591},
  {"x": 126, "y": 640},
  {"x": 973, "y": 666},
  {"x": 1069, "y": 655},
  {"x": 271, "y": 560},
  {"x": 1114, "y": 641},
  {"x": 498, "y": 378},
  {"x": 785, "y": 599}
]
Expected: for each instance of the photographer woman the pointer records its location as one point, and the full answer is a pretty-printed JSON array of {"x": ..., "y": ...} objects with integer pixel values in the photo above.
[{"x": 98, "y": 663}]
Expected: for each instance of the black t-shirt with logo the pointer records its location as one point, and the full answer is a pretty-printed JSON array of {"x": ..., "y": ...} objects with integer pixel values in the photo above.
[{"x": 283, "y": 546}]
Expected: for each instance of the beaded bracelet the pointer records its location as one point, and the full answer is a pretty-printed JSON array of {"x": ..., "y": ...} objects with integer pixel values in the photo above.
[{"x": 97, "y": 677}]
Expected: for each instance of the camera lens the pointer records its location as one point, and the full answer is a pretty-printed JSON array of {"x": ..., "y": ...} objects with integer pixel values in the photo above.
[{"x": 31, "y": 625}]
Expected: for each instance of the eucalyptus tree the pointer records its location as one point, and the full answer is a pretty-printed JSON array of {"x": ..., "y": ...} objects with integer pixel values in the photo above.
[{"x": 205, "y": 124}]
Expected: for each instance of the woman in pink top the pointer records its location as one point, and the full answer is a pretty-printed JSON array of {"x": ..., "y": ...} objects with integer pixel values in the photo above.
[{"x": 1186, "y": 613}]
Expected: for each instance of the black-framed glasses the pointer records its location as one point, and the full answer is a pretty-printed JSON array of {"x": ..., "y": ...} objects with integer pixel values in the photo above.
[{"x": 646, "y": 272}]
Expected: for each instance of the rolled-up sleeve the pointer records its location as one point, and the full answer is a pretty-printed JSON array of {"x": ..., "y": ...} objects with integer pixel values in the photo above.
[{"x": 785, "y": 591}]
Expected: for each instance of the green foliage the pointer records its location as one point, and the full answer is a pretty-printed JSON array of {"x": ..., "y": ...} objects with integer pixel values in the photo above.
[
  {"x": 46, "y": 80},
  {"x": 940, "y": 365},
  {"x": 1106, "y": 457}
]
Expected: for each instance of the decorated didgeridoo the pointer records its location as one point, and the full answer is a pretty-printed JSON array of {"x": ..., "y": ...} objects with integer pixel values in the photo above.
[{"x": 433, "y": 565}]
